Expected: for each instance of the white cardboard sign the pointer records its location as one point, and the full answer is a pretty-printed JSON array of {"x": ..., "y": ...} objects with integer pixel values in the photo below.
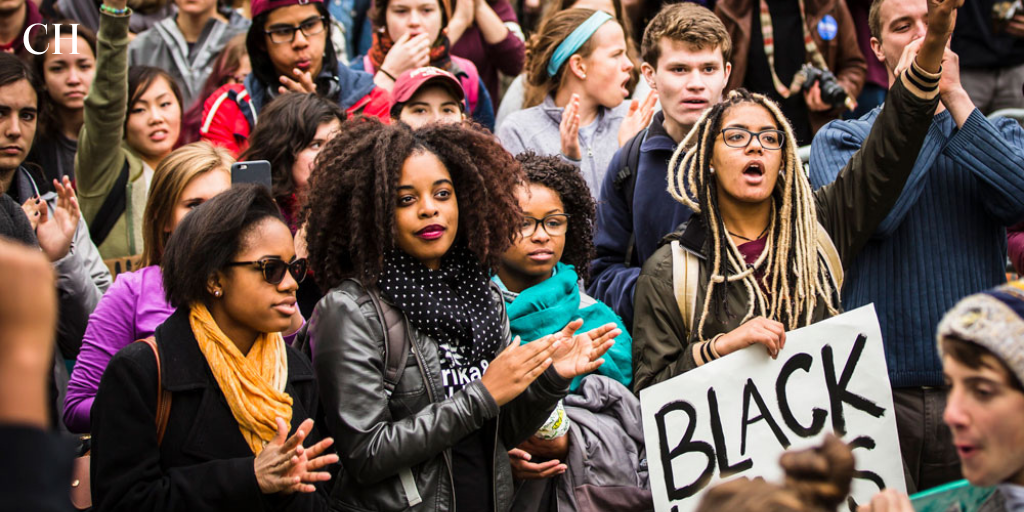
[{"x": 735, "y": 416}]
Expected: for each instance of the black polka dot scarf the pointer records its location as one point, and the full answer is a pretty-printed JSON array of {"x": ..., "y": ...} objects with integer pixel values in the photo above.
[{"x": 453, "y": 305}]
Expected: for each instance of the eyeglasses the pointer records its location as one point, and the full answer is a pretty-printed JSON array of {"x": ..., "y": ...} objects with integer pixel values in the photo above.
[
  {"x": 736, "y": 137},
  {"x": 274, "y": 268},
  {"x": 286, "y": 34},
  {"x": 554, "y": 225}
]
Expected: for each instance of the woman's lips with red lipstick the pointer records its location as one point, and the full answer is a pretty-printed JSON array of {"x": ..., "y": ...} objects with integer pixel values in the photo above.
[{"x": 431, "y": 232}]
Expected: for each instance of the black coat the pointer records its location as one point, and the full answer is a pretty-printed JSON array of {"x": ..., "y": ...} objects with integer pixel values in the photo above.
[{"x": 204, "y": 463}]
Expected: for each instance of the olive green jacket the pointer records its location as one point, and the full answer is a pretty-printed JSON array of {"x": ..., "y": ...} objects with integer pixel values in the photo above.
[
  {"x": 102, "y": 152},
  {"x": 849, "y": 209}
]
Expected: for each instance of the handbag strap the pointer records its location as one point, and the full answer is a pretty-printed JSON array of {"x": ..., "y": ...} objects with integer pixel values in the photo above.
[{"x": 163, "y": 400}]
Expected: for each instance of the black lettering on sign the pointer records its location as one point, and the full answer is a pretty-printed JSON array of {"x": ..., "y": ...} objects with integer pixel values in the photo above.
[
  {"x": 750, "y": 391},
  {"x": 868, "y": 444},
  {"x": 686, "y": 445},
  {"x": 803, "y": 362},
  {"x": 724, "y": 468},
  {"x": 837, "y": 392}
]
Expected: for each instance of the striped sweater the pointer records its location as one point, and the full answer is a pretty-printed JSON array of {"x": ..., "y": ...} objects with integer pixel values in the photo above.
[{"x": 944, "y": 239}]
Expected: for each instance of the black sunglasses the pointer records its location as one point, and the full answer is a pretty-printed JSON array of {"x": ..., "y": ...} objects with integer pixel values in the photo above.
[{"x": 274, "y": 268}]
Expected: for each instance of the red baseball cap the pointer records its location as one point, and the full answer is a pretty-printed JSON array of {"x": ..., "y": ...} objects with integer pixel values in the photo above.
[
  {"x": 411, "y": 81},
  {"x": 258, "y": 7}
]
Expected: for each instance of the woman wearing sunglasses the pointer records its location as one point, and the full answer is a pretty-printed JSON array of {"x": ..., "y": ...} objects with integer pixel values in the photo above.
[
  {"x": 239, "y": 433},
  {"x": 135, "y": 304}
]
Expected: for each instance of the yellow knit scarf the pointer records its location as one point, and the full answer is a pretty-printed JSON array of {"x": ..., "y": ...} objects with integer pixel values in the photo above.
[{"x": 253, "y": 383}]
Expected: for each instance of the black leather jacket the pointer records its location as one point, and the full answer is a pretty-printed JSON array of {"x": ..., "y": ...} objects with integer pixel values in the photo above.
[{"x": 380, "y": 440}]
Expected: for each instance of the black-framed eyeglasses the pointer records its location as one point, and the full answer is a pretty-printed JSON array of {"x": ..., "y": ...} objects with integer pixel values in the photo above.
[
  {"x": 736, "y": 137},
  {"x": 274, "y": 268},
  {"x": 554, "y": 225},
  {"x": 286, "y": 34}
]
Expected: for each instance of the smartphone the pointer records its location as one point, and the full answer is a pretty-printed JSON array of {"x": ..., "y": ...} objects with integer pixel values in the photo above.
[{"x": 254, "y": 171}]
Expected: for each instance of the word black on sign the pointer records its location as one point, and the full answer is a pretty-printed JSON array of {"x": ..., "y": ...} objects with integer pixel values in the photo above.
[{"x": 737, "y": 415}]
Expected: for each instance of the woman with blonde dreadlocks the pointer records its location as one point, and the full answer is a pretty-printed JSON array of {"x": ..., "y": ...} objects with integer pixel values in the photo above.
[{"x": 765, "y": 252}]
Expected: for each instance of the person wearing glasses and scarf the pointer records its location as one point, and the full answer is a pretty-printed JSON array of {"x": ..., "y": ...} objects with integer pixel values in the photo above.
[
  {"x": 769, "y": 251},
  {"x": 597, "y": 430},
  {"x": 288, "y": 46},
  {"x": 239, "y": 433}
]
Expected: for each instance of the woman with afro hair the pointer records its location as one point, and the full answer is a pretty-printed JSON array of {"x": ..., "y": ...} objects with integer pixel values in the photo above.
[{"x": 415, "y": 222}]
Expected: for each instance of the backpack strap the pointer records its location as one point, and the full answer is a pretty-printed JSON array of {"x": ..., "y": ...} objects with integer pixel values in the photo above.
[
  {"x": 685, "y": 274},
  {"x": 828, "y": 251},
  {"x": 396, "y": 354},
  {"x": 163, "y": 397},
  {"x": 625, "y": 184},
  {"x": 110, "y": 211},
  {"x": 396, "y": 339}
]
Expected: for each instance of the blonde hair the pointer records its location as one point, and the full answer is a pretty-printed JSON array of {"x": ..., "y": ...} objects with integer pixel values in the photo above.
[
  {"x": 542, "y": 45},
  {"x": 793, "y": 272},
  {"x": 170, "y": 178}
]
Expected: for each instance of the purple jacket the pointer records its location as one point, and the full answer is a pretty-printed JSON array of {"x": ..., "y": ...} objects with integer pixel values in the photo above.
[{"x": 132, "y": 309}]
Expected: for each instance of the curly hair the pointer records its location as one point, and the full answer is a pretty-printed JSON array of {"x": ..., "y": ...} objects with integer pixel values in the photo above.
[
  {"x": 350, "y": 211},
  {"x": 566, "y": 181}
]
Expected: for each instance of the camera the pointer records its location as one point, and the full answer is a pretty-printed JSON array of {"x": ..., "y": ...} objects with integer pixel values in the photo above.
[
  {"x": 831, "y": 92},
  {"x": 1003, "y": 12}
]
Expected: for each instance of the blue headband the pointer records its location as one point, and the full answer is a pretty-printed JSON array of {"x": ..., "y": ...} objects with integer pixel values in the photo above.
[{"x": 575, "y": 40}]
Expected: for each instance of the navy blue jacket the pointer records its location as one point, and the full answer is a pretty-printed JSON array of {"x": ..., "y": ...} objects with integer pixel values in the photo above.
[
  {"x": 943, "y": 240},
  {"x": 655, "y": 214}
]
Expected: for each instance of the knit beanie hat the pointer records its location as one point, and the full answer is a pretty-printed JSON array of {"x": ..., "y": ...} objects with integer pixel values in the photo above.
[
  {"x": 993, "y": 319},
  {"x": 258, "y": 7}
]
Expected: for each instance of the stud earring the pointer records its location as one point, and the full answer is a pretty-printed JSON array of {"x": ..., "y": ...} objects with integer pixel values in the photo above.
[
  {"x": 216, "y": 293},
  {"x": 712, "y": 169}
]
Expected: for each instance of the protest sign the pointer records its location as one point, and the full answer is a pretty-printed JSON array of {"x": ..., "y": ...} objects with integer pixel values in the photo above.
[{"x": 735, "y": 416}]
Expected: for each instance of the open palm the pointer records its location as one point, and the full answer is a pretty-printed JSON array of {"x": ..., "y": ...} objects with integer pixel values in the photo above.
[
  {"x": 56, "y": 230},
  {"x": 579, "y": 354}
]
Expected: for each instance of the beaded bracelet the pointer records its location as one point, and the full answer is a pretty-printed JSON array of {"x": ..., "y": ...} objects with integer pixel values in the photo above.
[{"x": 116, "y": 12}]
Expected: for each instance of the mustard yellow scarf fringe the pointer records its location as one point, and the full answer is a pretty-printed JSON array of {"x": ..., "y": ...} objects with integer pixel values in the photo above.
[{"x": 252, "y": 383}]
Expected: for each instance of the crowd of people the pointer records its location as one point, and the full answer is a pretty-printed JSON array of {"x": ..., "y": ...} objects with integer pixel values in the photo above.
[{"x": 474, "y": 244}]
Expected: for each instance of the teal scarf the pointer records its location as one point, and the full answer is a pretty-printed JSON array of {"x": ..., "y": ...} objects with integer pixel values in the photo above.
[{"x": 547, "y": 307}]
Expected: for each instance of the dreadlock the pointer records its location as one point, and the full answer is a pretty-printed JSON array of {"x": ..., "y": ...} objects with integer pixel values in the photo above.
[{"x": 795, "y": 279}]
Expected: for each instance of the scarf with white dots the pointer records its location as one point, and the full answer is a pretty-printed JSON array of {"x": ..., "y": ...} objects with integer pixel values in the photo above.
[{"x": 453, "y": 305}]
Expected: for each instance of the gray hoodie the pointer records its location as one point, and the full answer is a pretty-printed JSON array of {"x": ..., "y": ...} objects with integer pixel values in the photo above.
[
  {"x": 165, "y": 47},
  {"x": 536, "y": 129}
]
